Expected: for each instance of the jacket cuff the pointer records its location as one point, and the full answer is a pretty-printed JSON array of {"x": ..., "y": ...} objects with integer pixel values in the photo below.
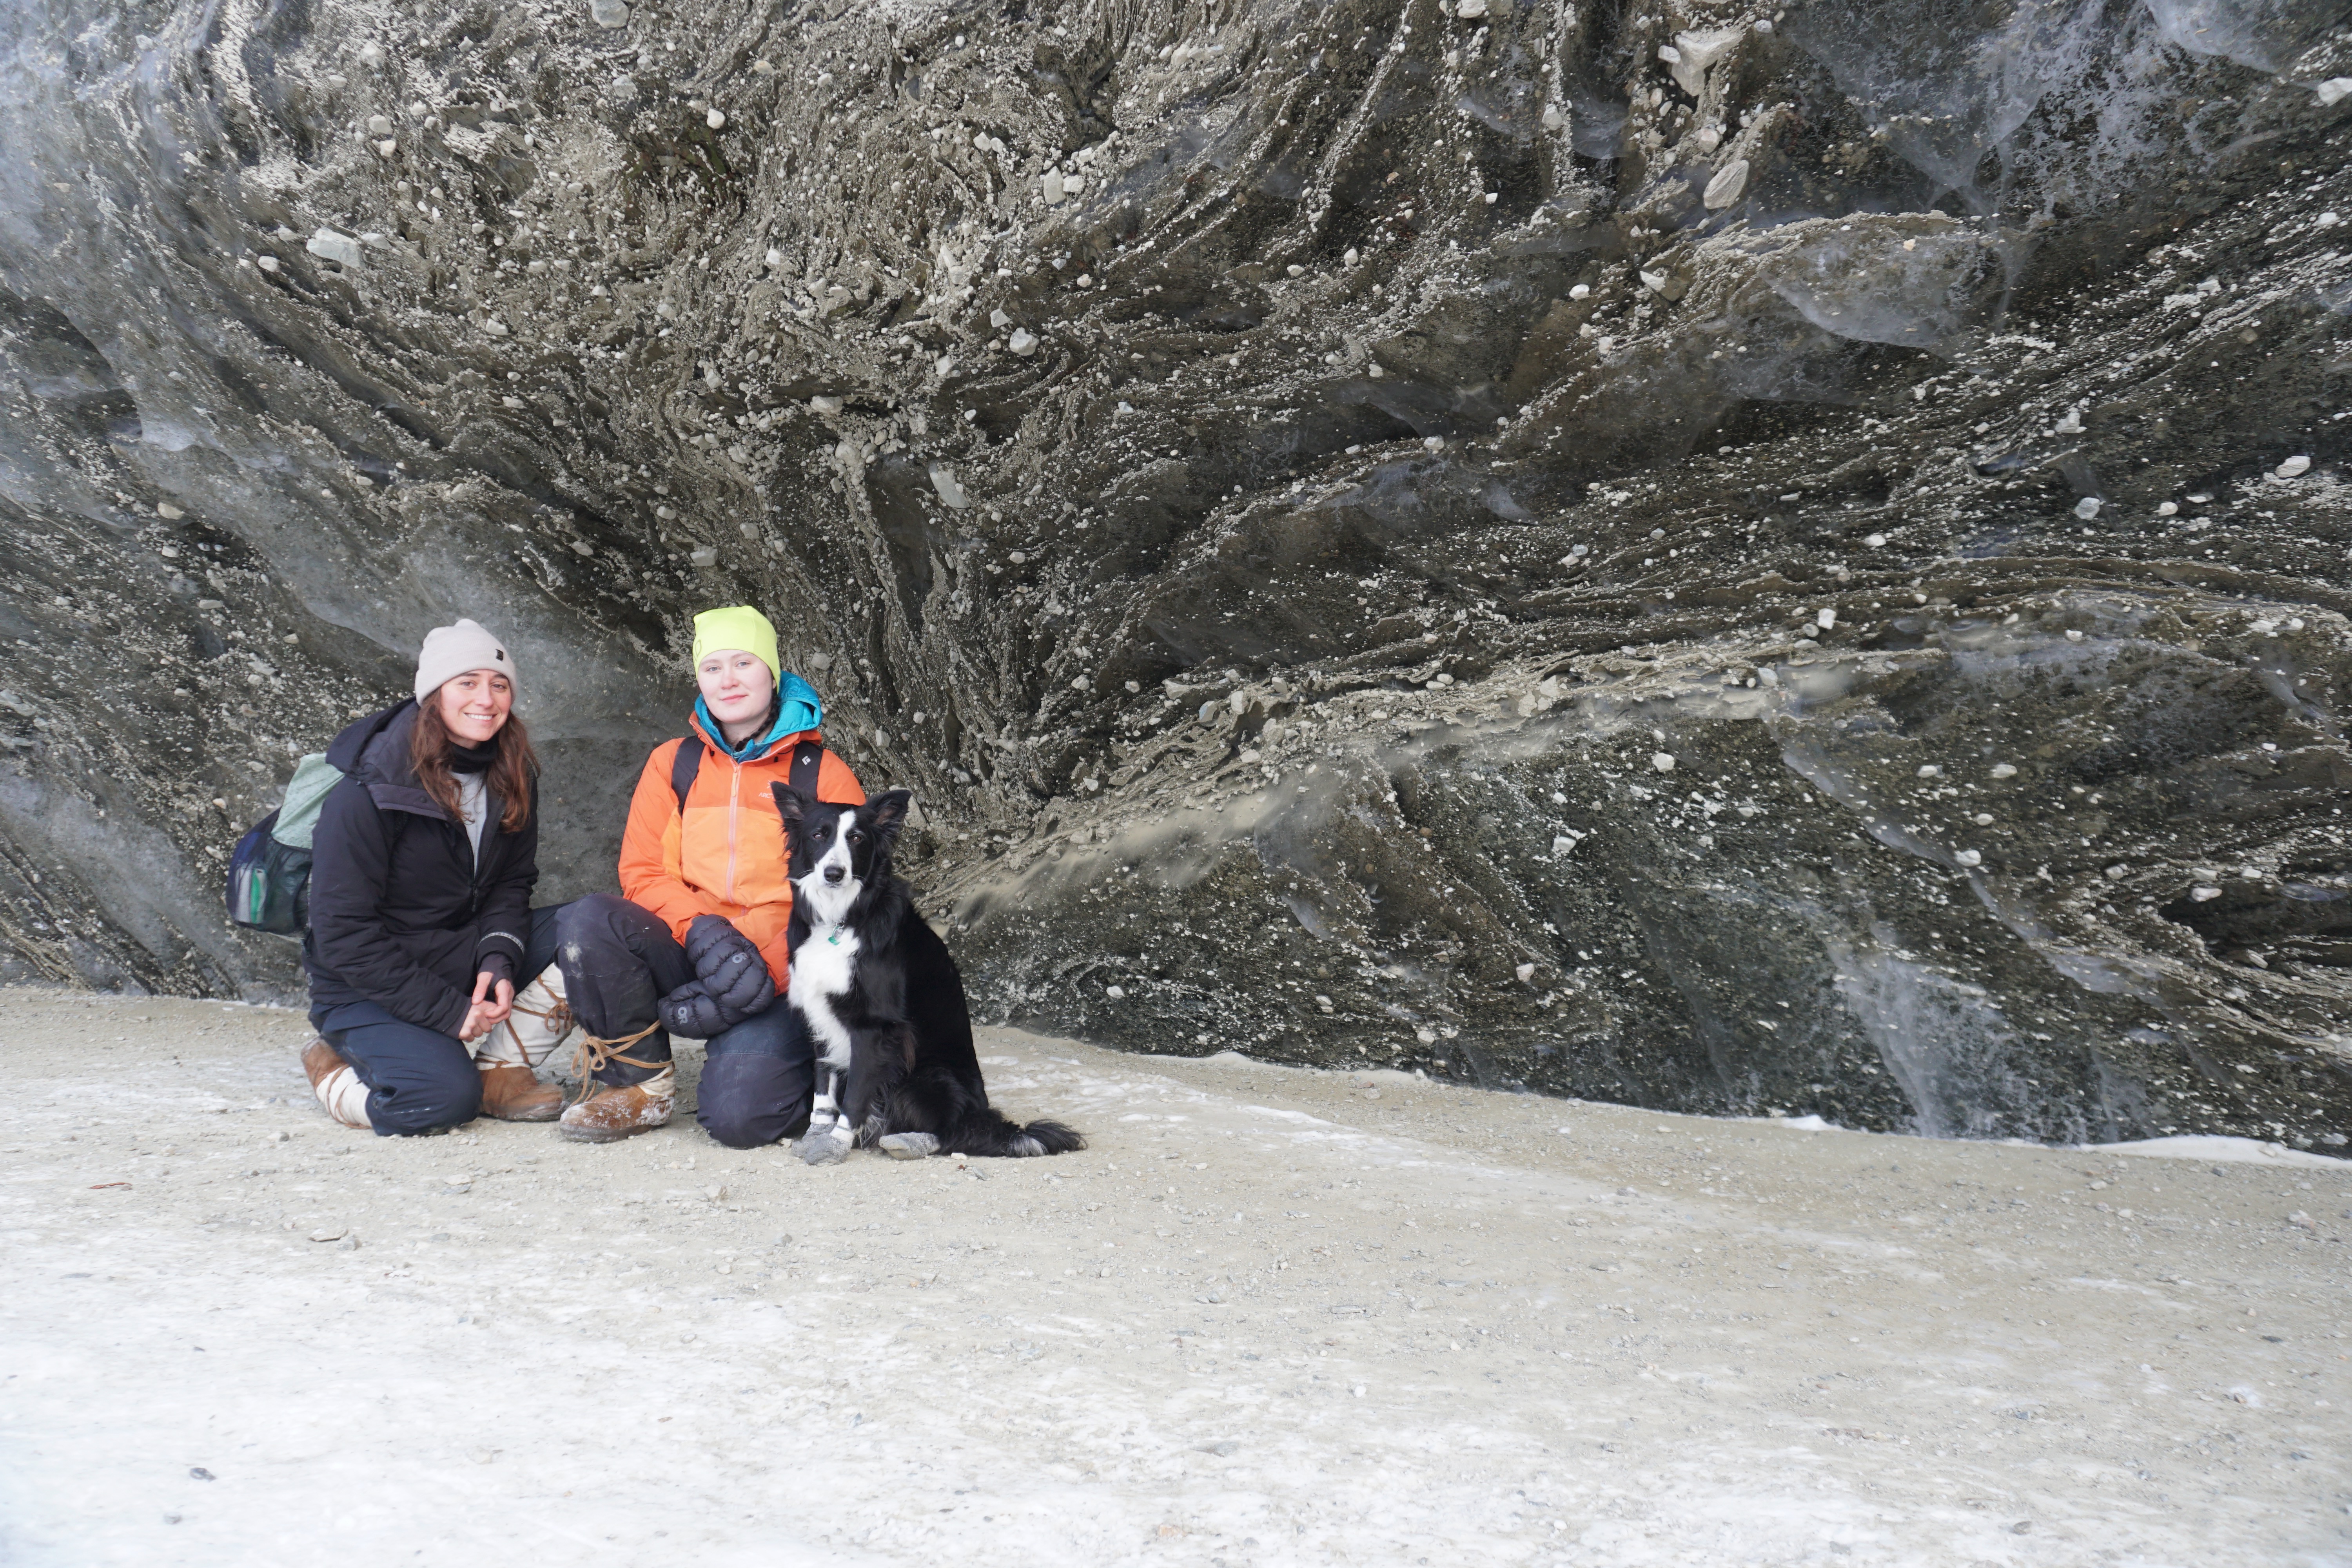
[
  {"x": 505, "y": 942},
  {"x": 496, "y": 962}
]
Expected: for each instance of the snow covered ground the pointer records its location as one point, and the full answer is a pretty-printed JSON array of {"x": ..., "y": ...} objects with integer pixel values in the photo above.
[{"x": 1270, "y": 1317}]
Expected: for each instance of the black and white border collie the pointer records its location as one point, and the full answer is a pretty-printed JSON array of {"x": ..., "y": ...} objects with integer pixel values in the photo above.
[{"x": 894, "y": 1062}]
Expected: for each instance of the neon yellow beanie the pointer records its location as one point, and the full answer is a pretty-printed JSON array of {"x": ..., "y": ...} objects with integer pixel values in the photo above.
[{"x": 738, "y": 627}]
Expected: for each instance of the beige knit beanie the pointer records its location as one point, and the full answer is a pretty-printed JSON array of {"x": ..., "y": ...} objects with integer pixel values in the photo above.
[{"x": 451, "y": 651}]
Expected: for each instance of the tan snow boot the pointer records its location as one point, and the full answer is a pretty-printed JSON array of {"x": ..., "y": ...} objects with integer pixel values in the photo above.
[
  {"x": 511, "y": 1092},
  {"x": 339, "y": 1088},
  {"x": 610, "y": 1114},
  {"x": 533, "y": 1028}
]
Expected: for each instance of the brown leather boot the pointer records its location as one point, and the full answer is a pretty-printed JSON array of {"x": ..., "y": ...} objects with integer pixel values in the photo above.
[
  {"x": 318, "y": 1059},
  {"x": 510, "y": 1093},
  {"x": 610, "y": 1114},
  {"x": 339, "y": 1089}
]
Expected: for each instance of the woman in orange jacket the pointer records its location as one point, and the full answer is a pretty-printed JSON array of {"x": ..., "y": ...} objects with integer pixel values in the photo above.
[{"x": 696, "y": 944}]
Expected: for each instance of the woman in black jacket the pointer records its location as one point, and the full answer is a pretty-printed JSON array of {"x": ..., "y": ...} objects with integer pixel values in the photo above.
[{"x": 421, "y": 924}]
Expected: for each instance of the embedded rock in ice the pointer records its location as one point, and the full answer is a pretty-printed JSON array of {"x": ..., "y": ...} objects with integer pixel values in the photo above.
[
  {"x": 338, "y": 248},
  {"x": 943, "y": 480},
  {"x": 1726, "y": 186},
  {"x": 1695, "y": 53}
]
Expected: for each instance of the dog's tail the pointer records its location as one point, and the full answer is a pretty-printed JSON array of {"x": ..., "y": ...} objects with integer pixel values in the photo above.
[{"x": 988, "y": 1131}]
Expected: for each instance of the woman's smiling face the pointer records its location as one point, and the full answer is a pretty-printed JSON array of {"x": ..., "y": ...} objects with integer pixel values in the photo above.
[
  {"x": 735, "y": 685},
  {"x": 474, "y": 705}
]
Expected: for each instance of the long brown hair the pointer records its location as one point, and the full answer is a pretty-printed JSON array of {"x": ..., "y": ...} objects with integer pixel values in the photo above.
[{"x": 510, "y": 774}]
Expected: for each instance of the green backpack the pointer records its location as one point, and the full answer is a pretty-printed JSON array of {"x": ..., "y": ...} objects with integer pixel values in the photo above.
[{"x": 269, "y": 874}]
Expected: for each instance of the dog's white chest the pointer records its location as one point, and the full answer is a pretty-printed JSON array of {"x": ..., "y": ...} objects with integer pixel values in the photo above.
[{"x": 822, "y": 970}]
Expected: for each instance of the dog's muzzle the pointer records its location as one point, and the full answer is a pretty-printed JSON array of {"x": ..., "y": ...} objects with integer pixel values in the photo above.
[{"x": 834, "y": 875}]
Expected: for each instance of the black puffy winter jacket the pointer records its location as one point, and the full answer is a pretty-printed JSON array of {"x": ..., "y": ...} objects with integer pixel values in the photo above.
[{"x": 402, "y": 914}]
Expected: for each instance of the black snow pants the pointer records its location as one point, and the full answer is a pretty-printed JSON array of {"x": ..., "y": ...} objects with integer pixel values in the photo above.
[
  {"x": 619, "y": 960},
  {"x": 420, "y": 1080}
]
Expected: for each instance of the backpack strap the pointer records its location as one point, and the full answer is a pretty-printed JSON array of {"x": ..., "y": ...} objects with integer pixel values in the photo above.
[
  {"x": 806, "y": 758},
  {"x": 683, "y": 767}
]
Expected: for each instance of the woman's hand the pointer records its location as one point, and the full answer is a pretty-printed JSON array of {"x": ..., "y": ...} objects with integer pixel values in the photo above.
[{"x": 487, "y": 1011}]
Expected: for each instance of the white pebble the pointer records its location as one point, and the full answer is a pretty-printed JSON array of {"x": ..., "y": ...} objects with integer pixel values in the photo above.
[
  {"x": 2293, "y": 467},
  {"x": 2203, "y": 895},
  {"x": 1825, "y": 619},
  {"x": 1023, "y": 342},
  {"x": 1929, "y": 770},
  {"x": 2004, "y": 770},
  {"x": 1663, "y": 760},
  {"x": 1115, "y": 992},
  {"x": 1969, "y": 857},
  {"x": 2087, "y": 508},
  {"x": 1876, "y": 541},
  {"x": 2117, "y": 873},
  {"x": 715, "y": 118}
]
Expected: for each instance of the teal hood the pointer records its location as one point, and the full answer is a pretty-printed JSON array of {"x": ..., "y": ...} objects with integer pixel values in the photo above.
[{"x": 798, "y": 707}]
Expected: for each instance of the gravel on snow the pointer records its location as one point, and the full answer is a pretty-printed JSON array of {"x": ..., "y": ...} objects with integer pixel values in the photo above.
[{"x": 1270, "y": 1316}]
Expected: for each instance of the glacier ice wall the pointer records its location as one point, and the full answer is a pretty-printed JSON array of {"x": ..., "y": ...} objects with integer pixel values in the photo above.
[{"x": 1743, "y": 559}]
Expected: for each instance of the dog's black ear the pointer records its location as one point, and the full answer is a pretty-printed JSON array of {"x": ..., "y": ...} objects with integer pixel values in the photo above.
[
  {"x": 888, "y": 813},
  {"x": 789, "y": 803}
]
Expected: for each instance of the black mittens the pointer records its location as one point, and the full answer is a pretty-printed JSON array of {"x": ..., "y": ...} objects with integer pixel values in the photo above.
[{"x": 731, "y": 981}]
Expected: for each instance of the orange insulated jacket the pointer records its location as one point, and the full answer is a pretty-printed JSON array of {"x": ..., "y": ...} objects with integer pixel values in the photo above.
[{"x": 724, "y": 854}]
